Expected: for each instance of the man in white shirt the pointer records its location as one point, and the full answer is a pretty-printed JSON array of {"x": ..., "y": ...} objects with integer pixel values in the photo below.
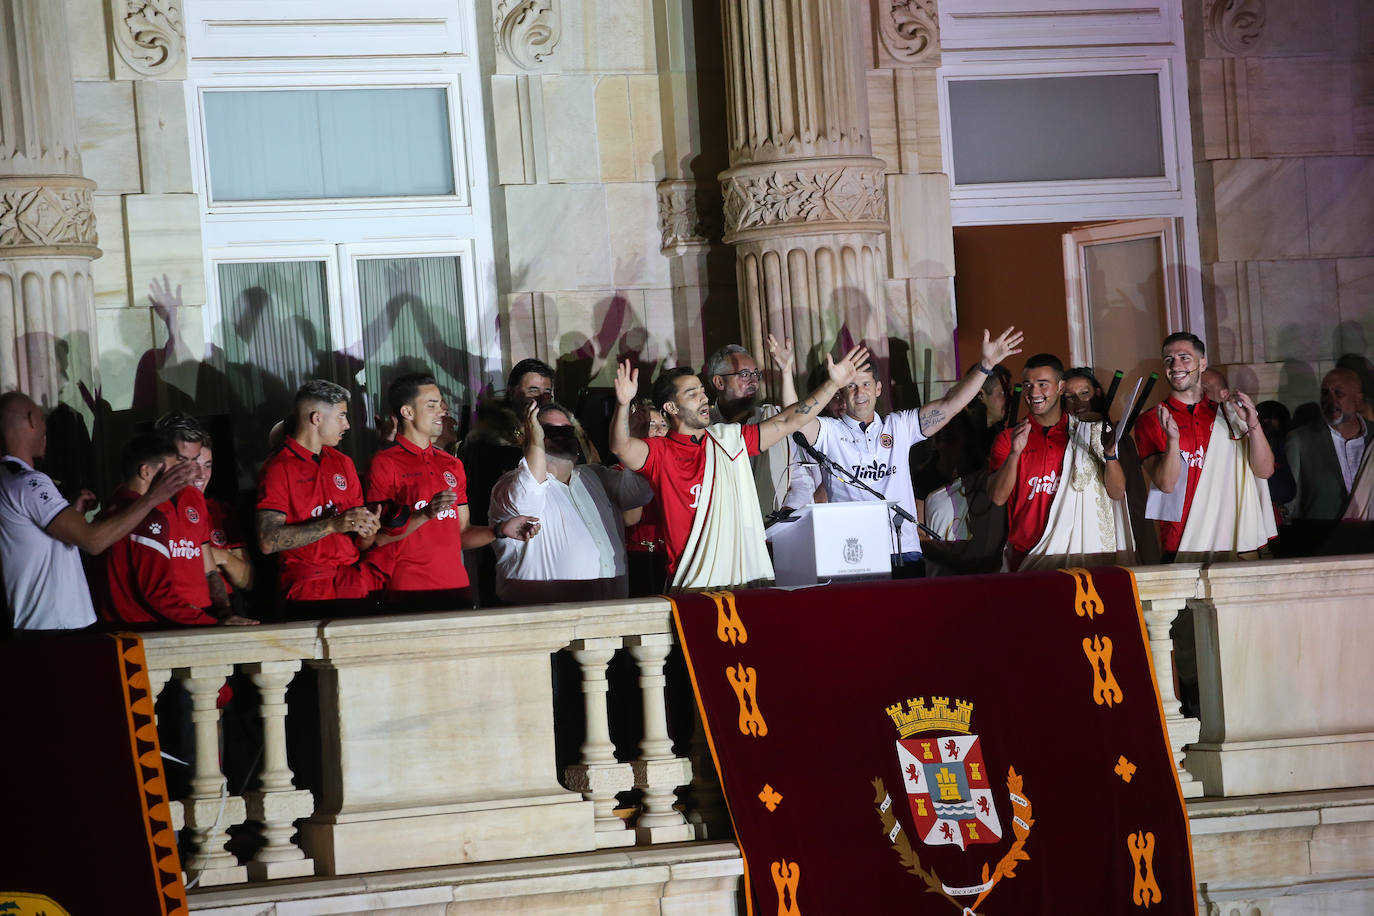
[
  {"x": 876, "y": 449},
  {"x": 579, "y": 554},
  {"x": 1325, "y": 455},
  {"x": 40, "y": 531}
]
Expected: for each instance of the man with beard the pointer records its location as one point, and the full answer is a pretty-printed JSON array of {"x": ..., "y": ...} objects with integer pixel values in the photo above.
[
  {"x": 877, "y": 448},
  {"x": 1202, "y": 460},
  {"x": 422, "y": 493},
  {"x": 310, "y": 507},
  {"x": 580, "y": 552},
  {"x": 1056, "y": 477},
  {"x": 712, "y": 529},
  {"x": 1327, "y": 457},
  {"x": 737, "y": 386}
]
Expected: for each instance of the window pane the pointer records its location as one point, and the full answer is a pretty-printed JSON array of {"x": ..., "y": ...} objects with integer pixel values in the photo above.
[
  {"x": 412, "y": 312},
  {"x": 1056, "y": 128},
  {"x": 1127, "y": 303},
  {"x": 274, "y": 334},
  {"x": 328, "y": 143}
]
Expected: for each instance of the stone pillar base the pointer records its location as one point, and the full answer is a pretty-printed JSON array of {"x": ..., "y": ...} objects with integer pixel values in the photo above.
[
  {"x": 1282, "y": 765},
  {"x": 269, "y": 871},
  {"x": 385, "y": 840}
]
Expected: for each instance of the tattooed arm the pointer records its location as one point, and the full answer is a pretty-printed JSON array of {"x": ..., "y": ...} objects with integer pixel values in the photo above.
[
  {"x": 804, "y": 412},
  {"x": 935, "y": 414},
  {"x": 275, "y": 536}
]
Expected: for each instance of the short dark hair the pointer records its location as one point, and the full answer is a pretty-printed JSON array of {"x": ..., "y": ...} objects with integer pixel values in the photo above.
[
  {"x": 665, "y": 386},
  {"x": 1084, "y": 372},
  {"x": 1046, "y": 360},
  {"x": 406, "y": 389},
  {"x": 555, "y": 407},
  {"x": 320, "y": 391},
  {"x": 524, "y": 368},
  {"x": 180, "y": 427},
  {"x": 1186, "y": 337},
  {"x": 142, "y": 449}
]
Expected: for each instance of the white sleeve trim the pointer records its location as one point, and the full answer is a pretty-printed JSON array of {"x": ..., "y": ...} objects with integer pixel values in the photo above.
[{"x": 149, "y": 542}]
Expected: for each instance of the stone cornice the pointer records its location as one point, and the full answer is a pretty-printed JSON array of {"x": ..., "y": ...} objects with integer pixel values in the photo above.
[
  {"x": 831, "y": 195},
  {"x": 47, "y": 216}
]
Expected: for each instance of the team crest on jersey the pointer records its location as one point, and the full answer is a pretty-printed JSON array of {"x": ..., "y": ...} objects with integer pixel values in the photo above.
[
  {"x": 217, "y": 538},
  {"x": 885, "y": 440},
  {"x": 450, "y": 479},
  {"x": 192, "y": 515},
  {"x": 340, "y": 481},
  {"x": 952, "y": 799}
]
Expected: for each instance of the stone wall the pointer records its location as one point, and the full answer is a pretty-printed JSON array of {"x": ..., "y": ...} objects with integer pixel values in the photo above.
[
  {"x": 1282, "y": 99},
  {"x": 131, "y": 118}
]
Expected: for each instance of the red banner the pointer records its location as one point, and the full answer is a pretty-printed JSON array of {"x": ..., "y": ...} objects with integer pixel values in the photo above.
[{"x": 987, "y": 745}]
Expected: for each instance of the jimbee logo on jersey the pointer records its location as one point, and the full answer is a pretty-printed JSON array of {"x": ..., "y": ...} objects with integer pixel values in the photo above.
[
  {"x": 192, "y": 515},
  {"x": 952, "y": 798},
  {"x": 340, "y": 481},
  {"x": 447, "y": 513},
  {"x": 183, "y": 548},
  {"x": 885, "y": 440},
  {"x": 450, "y": 479}
]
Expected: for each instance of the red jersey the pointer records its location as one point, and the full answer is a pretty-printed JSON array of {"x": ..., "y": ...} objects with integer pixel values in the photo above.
[
  {"x": 303, "y": 487},
  {"x": 224, "y": 525},
  {"x": 1037, "y": 480},
  {"x": 193, "y": 525},
  {"x": 406, "y": 477},
  {"x": 675, "y": 468},
  {"x": 143, "y": 571},
  {"x": 1194, "y": 433}
]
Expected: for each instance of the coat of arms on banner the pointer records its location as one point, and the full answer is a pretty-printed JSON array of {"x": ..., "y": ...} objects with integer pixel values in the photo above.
[{"x": 951, "y": 794}]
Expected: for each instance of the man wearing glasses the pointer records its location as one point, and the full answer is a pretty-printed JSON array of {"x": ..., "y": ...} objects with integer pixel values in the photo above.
[{"x": 737, "y": 385}]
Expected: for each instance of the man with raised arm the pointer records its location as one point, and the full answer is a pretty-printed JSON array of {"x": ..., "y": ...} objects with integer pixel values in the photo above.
[
  {"x": 713, "y": 531},
  {"x": 876, "y": 448},
  {"x": 310, "y": 505},
  {"x": 40, "y": 531},
  {"x": 736, "y": 384},
  {"x": 1202, "y": 461}
]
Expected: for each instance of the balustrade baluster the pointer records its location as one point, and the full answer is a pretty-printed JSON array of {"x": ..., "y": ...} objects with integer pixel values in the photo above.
[
  {"x": 599, "y": 777},
  {"x": 657, "y": 772},
  {"x": 210, "y": 811},
  {"x": 708, "y": 815},
  {"x": 1182, "y": 730},
  {"x": 276, "y": 803}
]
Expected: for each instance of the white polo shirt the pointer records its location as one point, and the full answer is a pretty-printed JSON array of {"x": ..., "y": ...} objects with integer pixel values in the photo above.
[
  {"x": 579, "y": 552},
  {"x": 879, "y": 456},
  {"x": 45, "y": 585}
]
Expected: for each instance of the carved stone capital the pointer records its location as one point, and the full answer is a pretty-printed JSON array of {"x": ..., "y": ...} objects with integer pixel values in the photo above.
[
  {"x": 909, "y": 30},
  {"x": 527, "y": 31},
  {"x": 47, "y": 216},
  {"x": 1236, "y": 24},
  {"x": 688, "y": 215},
  {"x": 803, "y": 198},
  {"x": 148, "y": 34}
]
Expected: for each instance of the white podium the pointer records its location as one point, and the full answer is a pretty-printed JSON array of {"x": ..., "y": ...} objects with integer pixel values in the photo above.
[{"x": 845, "y": 541}]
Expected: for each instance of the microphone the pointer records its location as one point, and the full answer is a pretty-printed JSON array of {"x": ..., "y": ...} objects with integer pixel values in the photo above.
[{"x": 824, "y": 461}]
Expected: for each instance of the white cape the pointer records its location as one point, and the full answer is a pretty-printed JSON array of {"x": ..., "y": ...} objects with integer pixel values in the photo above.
[
  {"x": 1360, "y": 506},
  {"x": 726, "y": 547},
  {"x": 1231, "y": 511},
  {"x": 1085, "y": 527}
]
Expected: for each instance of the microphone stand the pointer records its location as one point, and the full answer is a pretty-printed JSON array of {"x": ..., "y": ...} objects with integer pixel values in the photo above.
[{"x": 850, "y": 478}]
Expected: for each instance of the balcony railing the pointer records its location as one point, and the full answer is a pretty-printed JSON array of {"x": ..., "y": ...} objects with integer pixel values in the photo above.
[{"x": 437, "y": 731}]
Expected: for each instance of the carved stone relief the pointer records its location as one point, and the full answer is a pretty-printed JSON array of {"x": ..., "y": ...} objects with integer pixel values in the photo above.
[
  {"x": 688, "y": 214},
  {"x": 909, "y": 30},
  {"x": 527, "y": 31},
  {"x": 45, "y": 216},
  {"x": 148, "y": 34},
  {"x": 1236, "y": 24},
  {"x": 794, "y": 197}
]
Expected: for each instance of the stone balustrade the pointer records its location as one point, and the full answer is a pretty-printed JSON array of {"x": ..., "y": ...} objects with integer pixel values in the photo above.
[{"x": 437, "y": 731}]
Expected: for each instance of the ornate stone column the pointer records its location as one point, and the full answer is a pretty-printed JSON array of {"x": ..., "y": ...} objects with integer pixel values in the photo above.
[
  {"x": 805, "y": 202},
  {"x": 47, "y": 229}
]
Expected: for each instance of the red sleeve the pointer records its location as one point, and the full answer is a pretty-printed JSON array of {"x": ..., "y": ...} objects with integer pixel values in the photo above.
[
  {"x": 650, "y": 468},
  {"x": 1001, "y": 448},
  {"x": 152, "y": 577},
  {"x": 751, "y": 439},
  {"x": 462, "y": 489},
  {"x": 272, "y": 492},
  {"x": 353, "y": 496},
  {"x": 1149, "y": 435},
  {"x": 381, "y": 481},
  {"x": 223, "y": 521}
]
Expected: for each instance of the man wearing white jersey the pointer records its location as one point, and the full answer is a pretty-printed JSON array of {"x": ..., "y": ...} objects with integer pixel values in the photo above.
[{"x": 875, "y": 448}]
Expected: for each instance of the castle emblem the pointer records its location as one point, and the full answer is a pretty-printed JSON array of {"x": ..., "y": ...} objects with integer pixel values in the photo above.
[
  {"x": 942, "y": 767},
  {"x": 853, "y": 551}
]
